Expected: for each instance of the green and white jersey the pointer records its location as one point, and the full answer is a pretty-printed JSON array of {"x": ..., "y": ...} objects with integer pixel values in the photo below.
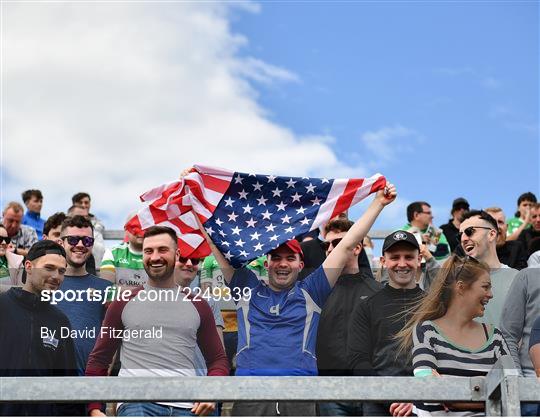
[
  {"x": 127, "y": 264},
  {"x": 513, "y": 224}
]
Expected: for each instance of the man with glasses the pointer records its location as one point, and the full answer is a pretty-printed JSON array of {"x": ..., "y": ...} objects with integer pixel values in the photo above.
[
  {"x": 420, "y": 221},
  {"x": 84, "y": 313},
  {"x": 478, "y": 237},
  {"x": 351, "y": 288}
]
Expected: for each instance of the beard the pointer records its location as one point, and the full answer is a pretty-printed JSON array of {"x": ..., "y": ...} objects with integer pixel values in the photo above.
[{"x": 162, "y": 274}]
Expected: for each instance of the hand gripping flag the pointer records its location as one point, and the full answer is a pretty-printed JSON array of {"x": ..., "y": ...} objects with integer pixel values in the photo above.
[{"x": 246, "y": 215}]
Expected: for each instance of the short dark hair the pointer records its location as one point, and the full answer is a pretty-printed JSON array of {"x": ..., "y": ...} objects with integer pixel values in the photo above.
[
  {"x": 338, "y": 225},
  {"x": 482, "y": 214},
  {"x": 77, "y": 221},
  {"x": 158, "y": 230},
  {"x": 525, "y": 197},
  {"x": 28, "y": 194},
  {"x": 415, "y": 207},
  {"x": 77, "y": 197},
  {"x": 53, "y": 221}
]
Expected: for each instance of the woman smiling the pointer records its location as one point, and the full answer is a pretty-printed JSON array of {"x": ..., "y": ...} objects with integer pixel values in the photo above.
[{"x": 444, "y": 336}]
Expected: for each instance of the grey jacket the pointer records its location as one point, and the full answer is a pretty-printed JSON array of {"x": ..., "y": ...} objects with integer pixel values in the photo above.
[{"x": 521, "y": 308}]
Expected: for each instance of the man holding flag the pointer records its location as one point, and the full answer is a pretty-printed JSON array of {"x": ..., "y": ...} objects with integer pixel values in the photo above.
[{"x": 244, "y": 216}]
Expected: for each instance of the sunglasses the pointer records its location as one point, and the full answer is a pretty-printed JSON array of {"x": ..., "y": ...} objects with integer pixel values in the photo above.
[
  {"x": 5, "y": 240},
  {"x": 74, "y": 240},
  {"x": 471, "y": 230},
  {"x": 334, "y": 242},
  {"x": 194, "y": 261}
]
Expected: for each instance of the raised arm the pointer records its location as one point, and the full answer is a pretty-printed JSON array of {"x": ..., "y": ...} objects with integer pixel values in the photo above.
[
  {"x": 224, "y": 265},
  {"x": 334, "y": 263}
]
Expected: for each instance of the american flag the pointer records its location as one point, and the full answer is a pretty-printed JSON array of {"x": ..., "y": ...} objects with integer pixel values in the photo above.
[{"x": 247, "y": 214}]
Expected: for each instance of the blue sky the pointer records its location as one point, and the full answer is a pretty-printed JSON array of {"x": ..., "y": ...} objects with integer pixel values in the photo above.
[
  {"x": 115, "y": 98},
  {"x": 461, "y": 78}
]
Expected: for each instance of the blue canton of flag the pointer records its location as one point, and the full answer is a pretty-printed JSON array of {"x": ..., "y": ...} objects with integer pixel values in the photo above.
[{"x": 258, "y": 213}]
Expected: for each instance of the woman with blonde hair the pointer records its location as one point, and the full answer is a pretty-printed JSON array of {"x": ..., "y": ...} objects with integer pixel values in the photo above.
[{"x": 445, "y": 338}]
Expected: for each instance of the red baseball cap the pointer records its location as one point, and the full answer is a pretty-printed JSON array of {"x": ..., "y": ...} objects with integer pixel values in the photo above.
[{"x": 292, "y": 245}]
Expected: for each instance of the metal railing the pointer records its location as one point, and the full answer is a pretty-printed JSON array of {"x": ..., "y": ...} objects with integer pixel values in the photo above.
[{"x": 502, "y": 389}]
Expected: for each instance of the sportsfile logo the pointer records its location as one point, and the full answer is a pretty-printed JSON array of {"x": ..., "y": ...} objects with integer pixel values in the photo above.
[{"x": 112, "y": 294}]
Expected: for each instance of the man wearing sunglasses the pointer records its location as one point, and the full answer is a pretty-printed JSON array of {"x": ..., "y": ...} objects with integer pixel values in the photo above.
[
  {"x": 478, "y": 237},
  {"x": 77, "y": 237}
]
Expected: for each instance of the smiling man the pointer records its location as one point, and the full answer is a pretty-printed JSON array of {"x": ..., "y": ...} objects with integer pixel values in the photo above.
[
  {"x": 277, "y": 326},
  {"x": 30, "y": 328},
  {"x": 478, "y": 236},
  {"x": 371, "y": 346},
  {"x": 186, "y": 323},
  {"x": 77, "y": 237}
]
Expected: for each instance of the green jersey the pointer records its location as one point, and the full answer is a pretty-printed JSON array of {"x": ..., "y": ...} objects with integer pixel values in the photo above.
[
  {"x": 514, "y": 224},
  {"x": 127, "y": 265},
  {"x": 443, "y": 248}
]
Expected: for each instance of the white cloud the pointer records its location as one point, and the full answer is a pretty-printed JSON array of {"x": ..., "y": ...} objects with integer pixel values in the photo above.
[
  {"x": 388, "y": 142},
  {"x": 115, "y": 98}
]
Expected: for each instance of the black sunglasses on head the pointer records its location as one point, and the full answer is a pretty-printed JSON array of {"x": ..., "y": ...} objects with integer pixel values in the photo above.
[
  {"x": 74, "y": 240},
  {"x": 334, "y": 242},
  {"x": 194, "y": 261},
  {"x": 471, "y": 230},
  {"x": 6, "y": 240}
]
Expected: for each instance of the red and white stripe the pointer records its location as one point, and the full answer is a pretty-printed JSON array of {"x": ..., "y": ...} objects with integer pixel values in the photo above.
[
  {"x": 345, "y": 193},
  {"x": 173, "y": 205}
]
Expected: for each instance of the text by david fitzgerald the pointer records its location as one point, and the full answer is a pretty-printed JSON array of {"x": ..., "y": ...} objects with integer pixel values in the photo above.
[{"x": 104, "y": 332}]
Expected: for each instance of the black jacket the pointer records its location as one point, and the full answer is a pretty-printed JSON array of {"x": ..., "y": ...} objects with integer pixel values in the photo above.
[
  {"x": 23, "y": 351},
  {"x": 371, "y": 348},
  {"x": 513, "y": 254},
  {"x": 526, "y": 237},
  {"x": 349, "y": 291},
  {"x": 452, "y": 234}
]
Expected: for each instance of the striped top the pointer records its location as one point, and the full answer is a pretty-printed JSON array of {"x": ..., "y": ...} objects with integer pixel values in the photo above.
[{"x": 432, "y": 350}]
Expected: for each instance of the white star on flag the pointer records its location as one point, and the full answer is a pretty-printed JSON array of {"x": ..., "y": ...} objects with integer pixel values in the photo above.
[
  {"x": 266, "y": 214},
  {"x": 290, "y": 183},
  {"x": 296, "y": 197},
  {"x": 232, "y": 217},
  {"x": 251, "y": 223},
  {"x": 281, "y": 206},
  {"x": 236, "y": 230},
  {"x": 247, "y": 208}
]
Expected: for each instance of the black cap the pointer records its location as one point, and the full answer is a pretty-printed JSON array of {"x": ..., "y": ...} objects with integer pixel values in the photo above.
[
  {"x": 41, "y": 248},
  {"x": 400, "y": 236},
  {"x": 460, "y": 203}
]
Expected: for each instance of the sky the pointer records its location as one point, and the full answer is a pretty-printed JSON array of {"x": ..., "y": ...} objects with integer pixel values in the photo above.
[{"x": 114, "y": 98}]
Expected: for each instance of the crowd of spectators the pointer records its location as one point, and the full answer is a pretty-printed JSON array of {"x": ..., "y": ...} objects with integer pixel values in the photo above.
[{"x": 439, "y": 301}]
